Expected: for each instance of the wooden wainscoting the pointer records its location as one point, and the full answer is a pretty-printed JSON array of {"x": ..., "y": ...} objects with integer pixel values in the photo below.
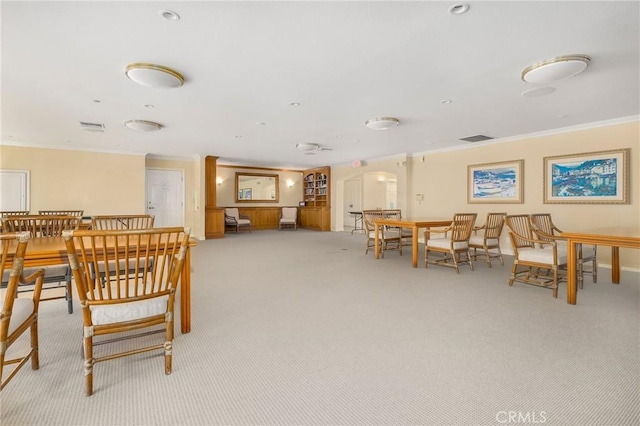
[{"x": 262, "y": 217}]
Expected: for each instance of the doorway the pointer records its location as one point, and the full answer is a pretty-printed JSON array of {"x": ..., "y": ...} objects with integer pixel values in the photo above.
[
  {"x": 165, "y": 196},
  {"x": 352, "y": 203},
  {"x": 14, "y": 190}
]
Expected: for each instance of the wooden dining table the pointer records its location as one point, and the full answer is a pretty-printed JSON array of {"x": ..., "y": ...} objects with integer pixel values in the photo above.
[
  {"x": 51, "y": 251},
  {"x": 615, "y": 237},
  {"x": 415, "y": 224}
]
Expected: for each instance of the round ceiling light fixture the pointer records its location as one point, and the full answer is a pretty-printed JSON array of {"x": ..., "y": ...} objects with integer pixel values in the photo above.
[
  {"x": 143, "y": 125},
  {"x": 156, "y": 76},
  {"x": 169, "y": 15},
  {"x": 459, "y": 8},
  {"x": 382, "y": 123},
  {"x": 555, "y": 68}
]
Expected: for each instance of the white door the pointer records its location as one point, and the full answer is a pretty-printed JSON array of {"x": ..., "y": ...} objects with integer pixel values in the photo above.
[
  {"x": 165, "y": 197},
  {"x": 14, "y": 190},
  {"x": 352, "y": 202}
]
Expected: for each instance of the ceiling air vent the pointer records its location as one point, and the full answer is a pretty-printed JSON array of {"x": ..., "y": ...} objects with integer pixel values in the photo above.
[
  {"x": 92, "y": 127},
  {"x": 476, "y": 138}
]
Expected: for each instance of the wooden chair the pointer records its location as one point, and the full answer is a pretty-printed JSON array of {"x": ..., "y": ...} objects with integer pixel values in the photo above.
[
  {"x": 288, "y": 218},
  {"x": 489, "y": 240},
  {"x": 234, "y": 220},
  {"x": 390, "y": 239},
  {"x": 18, "y": 314},
  {"x": 127, "y": 302},
  {"x": 131, "y": 221},
  {"x": 454, "y": 245},
  {"x": 546, "y": 231},
  {"x": 406, "y": 234},
  {"x": 78, "y": 213},
  {"x": 7, "y": 213},
  {"x": 539, "y": 261},
  {"x": 47, "y": 226}
]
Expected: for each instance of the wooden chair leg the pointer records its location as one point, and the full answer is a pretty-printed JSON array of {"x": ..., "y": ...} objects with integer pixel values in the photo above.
[
  {"x": 88, "y": 364},
  {"x": 35, "y": 358}
]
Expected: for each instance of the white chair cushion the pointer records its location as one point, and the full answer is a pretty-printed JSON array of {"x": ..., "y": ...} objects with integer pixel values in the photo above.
[
  {"x": 283, "y": 220},
  {"x": 49, "y": 272},
  {"x": 478, "y": 240},
  {"x": 108, "y": 314},
  {"x": 22, "y": 308},
  {"x": 445, "y": 243},
  {"x": 244, "y": 222},
  {"x": 544, "y": 255}
]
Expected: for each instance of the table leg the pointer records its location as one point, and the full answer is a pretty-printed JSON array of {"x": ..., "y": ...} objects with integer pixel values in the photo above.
[
  {"x": 377, "y": 240},
  {"x": 185, "y": 294},
  {"x": 615, "y": 265},
  {"x": 414, "y": 242},
  {"x": 572, "y": 290}
]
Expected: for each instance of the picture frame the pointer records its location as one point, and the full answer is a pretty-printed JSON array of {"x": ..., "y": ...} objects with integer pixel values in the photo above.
[
  {"x": 600, "y": 177},
  {"x": 247, "y": 194},
  {"x": 497, "y": 183},
  {"x": 240, "y": 194}
]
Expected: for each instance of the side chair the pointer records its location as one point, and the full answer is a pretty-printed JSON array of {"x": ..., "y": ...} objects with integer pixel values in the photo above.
[
  {"x": 489, "y": 240},
  {"x": 545, "y": 229},
  {"x": 18, "y": 315},
  {"x": 535, "y": 261},
  {"x": 132, "y": 303},
  {"x": 288, "y": 218},
  {"x": 453, "y": 245},
  {"x": 130, "y": 221},
  {"x": 47, "y": 226}
]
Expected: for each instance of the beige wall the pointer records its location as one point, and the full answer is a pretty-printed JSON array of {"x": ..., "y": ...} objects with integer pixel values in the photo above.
[
  {"x": 97, "y": 183},
  {"x": 442, "y": 178},
  {"x": 289, "y": 196}
]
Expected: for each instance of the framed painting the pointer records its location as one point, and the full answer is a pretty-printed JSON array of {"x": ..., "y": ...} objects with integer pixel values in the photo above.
[
  {"x": 247, "y": 194},
  {"x": 240, "y": 194},
  {"x": 496, "y": 182},
  {"x": 591, "y": 178}
]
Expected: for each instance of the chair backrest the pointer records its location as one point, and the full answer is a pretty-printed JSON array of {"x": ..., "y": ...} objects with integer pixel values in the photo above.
[
  {"x": 494, "y": 224},
  {"x": 519, "y": 227},
  {"x": 543, "y": 226},
  {"x": 40, "y": 225},
  {"x": 369, "y": 217},
  {"x": 158, "y": 252},
  {"x": 61, "y": 212},
  {"x": 290, "y": 213},
  {"x": 232, "y": 212},
  {"x": 13, "y": 213},
  {"x": 132, "y": 221},
  {"x": 462, "y": 226}
]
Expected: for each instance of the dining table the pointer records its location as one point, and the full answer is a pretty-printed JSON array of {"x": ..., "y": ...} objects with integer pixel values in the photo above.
[
  {"x": 52, "y": 251},
  {"x": 615, "y": 237},
  {"x": 414, "y": 224}
]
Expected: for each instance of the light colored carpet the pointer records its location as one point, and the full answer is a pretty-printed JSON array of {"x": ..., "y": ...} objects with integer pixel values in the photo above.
[{"x": 303, "y": 328}]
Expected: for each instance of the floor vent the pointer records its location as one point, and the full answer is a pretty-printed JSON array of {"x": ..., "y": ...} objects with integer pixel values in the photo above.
[{"x": 476, "y": 138}]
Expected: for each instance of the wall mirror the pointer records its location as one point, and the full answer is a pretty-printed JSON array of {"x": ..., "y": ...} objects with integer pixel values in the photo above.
[{"x": 257, "y": 188}]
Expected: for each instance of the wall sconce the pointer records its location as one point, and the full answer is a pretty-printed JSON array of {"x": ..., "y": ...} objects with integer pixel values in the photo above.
[
  {"x": 219, "y": 180},
  {"x": 381, "y": 179},
  {"x": 290, "y": 183}
]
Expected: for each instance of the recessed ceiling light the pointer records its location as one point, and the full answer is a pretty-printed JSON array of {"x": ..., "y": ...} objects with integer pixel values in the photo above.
[
  {"x": 169, "y": 15},
  {"x": 382, "y": 123},
  {"x": 261, "y": 123},
  {"x": 96, "y": 101},
  {"x": 156, "y": 76},
  {"x": 459, "y": 8},
  {"x": 238, "y": 136},
  {"x": 563, "y": 116},
  {"x": 149, "y": 106},
  {"x": 142, "y": 125},
  {"x": 555, "y": 68},
  {"x": 540, "y": 91},
  {"x": 295, "y": 104},
  {"x": 446, "y": 101},
  {"x": 307, "y": 146}
]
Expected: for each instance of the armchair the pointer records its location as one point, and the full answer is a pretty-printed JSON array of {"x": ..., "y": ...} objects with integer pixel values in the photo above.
[
  {"x": 489, "y": 240},
  {"x": 390, "y": 239},
  {"x": 18, "y": 314},
  {"x": 454, "y": 248},
  {"x": 288, "y": 218},
  {"x": 234, "y": 220}
]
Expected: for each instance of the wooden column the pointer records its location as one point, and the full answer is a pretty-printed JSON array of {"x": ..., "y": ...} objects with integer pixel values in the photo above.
[{"x": 213, "y": 216}]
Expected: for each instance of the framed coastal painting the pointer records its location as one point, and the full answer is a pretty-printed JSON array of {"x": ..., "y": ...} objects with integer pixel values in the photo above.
[
  {"x": 590, "y": 178},
  {"x": 496, "y": 182}
]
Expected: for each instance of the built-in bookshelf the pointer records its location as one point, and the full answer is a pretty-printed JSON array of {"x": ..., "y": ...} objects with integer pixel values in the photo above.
[{"x": 317, "y": 199}]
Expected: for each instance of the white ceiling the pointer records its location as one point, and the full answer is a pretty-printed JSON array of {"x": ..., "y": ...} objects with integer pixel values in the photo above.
[{"x": 244, "y": 63}]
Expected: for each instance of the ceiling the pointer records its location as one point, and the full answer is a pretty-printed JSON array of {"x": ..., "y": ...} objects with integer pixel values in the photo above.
[{"x": 245, "y": 63}]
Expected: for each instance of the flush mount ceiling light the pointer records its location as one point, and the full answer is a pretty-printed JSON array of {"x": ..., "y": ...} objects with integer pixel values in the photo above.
[
  {"x": 382, "y": 123},
  {"x": 555, "y": 68},
  {"x": 155, "y": 76},
  {"x": 142, "y": 125},
  {"x": 307, "y": 146}
]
